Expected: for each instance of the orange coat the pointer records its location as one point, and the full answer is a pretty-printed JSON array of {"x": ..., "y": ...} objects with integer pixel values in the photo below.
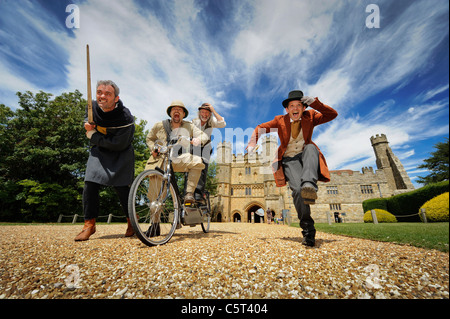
[{"x": 321, "y": 114}]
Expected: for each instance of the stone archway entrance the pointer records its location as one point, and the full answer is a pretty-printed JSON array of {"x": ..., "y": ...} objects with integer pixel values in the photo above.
[
  {"x": 258, "y": 217},
  {"x": 236, "y": 218}
]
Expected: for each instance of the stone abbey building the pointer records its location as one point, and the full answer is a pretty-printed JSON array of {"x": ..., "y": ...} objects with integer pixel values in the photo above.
[{"x": 246, "y": 184}]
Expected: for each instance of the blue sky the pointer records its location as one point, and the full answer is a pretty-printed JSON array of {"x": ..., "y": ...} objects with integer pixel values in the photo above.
[{"x": 244, "y": 57}]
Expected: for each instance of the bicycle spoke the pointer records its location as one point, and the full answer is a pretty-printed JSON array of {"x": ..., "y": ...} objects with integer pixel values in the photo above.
[{"x": 152, "y": 203}]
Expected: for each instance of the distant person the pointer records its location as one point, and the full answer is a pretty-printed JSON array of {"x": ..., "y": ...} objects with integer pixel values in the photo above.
[{"x": 269, "y": 215}]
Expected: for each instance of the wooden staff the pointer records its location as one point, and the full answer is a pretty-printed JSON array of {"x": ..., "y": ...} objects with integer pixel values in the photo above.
[{"x": 89, "y": 93}]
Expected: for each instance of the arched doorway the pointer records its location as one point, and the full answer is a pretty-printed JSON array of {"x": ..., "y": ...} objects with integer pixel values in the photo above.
[
  {"x": 236, "y": 218},
  {"x": 258, "y": 214}
]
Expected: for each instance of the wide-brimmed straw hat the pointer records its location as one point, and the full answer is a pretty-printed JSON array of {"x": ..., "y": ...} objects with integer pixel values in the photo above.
[{"x": 179, "y": 104}]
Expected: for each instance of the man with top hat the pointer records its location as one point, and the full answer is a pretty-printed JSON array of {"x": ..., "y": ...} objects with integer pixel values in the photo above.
[
  {"x": 298, "y": 160},
  {"x": 185, "y": 162},
  {"x": 207, "y": 120}
]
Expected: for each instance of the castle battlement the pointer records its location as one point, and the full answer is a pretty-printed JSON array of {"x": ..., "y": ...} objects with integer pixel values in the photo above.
[
  {"x": 267, "y": 151},
  {"x": 367, "y": 170},
  {"x": 378, "y": 139}
]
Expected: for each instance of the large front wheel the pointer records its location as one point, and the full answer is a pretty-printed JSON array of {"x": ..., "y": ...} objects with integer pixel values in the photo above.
[{"x": 153, "y": 207}]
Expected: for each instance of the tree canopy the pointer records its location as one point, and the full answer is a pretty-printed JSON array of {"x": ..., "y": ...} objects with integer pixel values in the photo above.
[{"x": 437, "y": 164}]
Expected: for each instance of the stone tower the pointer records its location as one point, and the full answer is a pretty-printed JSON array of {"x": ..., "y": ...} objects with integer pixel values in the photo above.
[
  {"x": 386, "y": 161},
  {"x": 269, "y": 148},
  {"x": 224, "y": 159}
]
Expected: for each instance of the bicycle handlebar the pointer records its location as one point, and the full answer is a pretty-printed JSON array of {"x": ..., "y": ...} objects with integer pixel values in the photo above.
[{"x": 163, "y": 149}]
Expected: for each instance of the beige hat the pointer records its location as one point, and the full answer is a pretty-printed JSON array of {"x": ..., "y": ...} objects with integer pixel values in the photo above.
[{"x": 180, "y": 104}]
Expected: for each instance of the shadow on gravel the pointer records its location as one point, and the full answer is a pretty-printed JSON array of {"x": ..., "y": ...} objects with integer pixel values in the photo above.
[
  {"x": 298, "y": 240},
  {"x": 115, "y": 236},
  {"x": 200, "y": 235},
  {"x": 177, "y": 237}
]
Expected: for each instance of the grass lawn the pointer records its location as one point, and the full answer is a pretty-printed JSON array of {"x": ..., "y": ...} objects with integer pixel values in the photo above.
[{"x": 429, "y": 235}]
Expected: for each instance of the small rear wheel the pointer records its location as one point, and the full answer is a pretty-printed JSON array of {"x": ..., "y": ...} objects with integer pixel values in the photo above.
[{"x": 153, "y": 206}]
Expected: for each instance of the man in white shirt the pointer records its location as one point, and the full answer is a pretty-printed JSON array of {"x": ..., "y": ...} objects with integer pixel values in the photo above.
[{"x": 207, "y": 120}]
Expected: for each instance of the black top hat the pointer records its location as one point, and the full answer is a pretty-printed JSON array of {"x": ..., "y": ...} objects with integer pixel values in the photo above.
[{"x": 293, "y": 95}]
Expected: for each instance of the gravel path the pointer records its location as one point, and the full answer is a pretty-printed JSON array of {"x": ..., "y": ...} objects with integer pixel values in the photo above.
[{"x": 233, "y": 261}]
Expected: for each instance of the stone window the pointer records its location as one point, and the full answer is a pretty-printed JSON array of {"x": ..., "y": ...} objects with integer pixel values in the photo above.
[
  {"x": 248, "y": 191},
  {"x": 335, "y": 206},
  {"x": 366, "y": 189},
  {"x": 332, "y": 190}
]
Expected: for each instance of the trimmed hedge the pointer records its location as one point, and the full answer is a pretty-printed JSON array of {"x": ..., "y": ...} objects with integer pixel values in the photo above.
[
  {"x": 437, "y": 208},
  {"x": 383, "y": 216},
  {"x": 407, "y": 203}
]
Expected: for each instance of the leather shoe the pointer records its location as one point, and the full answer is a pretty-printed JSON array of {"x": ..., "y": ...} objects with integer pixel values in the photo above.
[
  {"x": 309, "y": 195},
  {"x": 309, "y": 237},
  {"x": 309, "y": 241},
  {"x": 88, "y": 230},
  {"x": 130, "y": 230}
]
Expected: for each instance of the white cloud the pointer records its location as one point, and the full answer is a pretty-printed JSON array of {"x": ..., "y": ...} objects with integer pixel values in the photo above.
[
  {"x": 333, "y": 87},
  {"x": 13, "y": 82},
  {"x": 151, "y": 66},
  {"x": 290, "y": 27},
  {"x": 346, "y": 141},
  {"x": 362, "y": 63},
  {"x": 424, "y": 97}
]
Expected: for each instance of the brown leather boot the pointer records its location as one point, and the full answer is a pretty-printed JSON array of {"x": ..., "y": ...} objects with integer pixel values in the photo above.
[
  {"x": 130, "y": 229},
  {"x": 88, "y": 230}
]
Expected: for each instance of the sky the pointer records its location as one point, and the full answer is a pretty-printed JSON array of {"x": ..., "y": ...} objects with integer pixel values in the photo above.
[{"x": 383, "y": 65}]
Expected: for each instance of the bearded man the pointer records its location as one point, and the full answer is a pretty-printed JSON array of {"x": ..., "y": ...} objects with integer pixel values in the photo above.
[
  {"x": 185, "y": 162},
  {"x": 207, "y": 120}
]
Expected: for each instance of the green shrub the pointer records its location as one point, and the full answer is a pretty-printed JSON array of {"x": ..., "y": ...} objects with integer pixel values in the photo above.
[
  {"x": 375, "y": 203},
  {"x": 436, "y": 209},
  {"x": 407, "y": 203},
  {"x": 383, "y": 216}
]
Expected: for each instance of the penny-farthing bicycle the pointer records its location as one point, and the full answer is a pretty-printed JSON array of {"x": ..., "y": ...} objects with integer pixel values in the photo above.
[{"x": 155, "y": 204}]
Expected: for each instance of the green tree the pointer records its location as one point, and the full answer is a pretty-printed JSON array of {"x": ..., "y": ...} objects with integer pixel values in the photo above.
[
  {"x": 43, "y": 154},
  {"x": 438, "y": 164},
  {"x": 46, "y": 139},
  {"x": 211, "y": 180},
  {"x": 141, "y": 150}
]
